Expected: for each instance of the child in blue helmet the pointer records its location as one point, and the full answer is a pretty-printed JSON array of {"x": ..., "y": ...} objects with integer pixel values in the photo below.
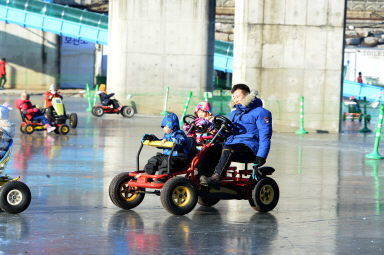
[{"x": 172, "y": 133}]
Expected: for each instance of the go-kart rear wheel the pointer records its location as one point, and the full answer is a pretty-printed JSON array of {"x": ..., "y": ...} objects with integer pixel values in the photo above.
[
  {"x": 264, "y": 195},
  {"x": 73, "y": 120},
  {"x": 207, "y": 201},
  {"x": 98, "y": 111},
  {"x": 29, "y": 129},
  {"x": 64, "y": 129},
  {"x": 127, "y": 111},
  {"x": 122, "y": 195},
  {"x": 15, "y": 197},
  {"x": 22, "y": 129},
  {"x": 179, "y": 196}
]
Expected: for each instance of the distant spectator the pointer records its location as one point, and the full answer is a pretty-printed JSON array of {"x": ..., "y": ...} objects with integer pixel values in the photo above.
[
  {"x": 360, "y": 78},
  {"x": 3, "y": 73}
]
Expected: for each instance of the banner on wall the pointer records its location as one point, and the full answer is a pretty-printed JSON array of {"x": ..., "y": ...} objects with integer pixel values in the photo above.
[{"x": 77, "y": 63}]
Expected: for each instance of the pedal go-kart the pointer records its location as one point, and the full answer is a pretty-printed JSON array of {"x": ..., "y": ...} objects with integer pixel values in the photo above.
[
  {"x": 182, "y": 191},
  {"x": 59, "y": 114},
  {"x": 354, "y": 112},
  {"x": 15, "y": 195},
  {"x": 30, "y": 126},
  {"x": 100, "y": 110}
]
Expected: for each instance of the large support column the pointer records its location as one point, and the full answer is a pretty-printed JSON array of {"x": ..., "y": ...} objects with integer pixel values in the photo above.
[
  {"x": 154, "y": 44},
  {"x": 289, "y": 48}
]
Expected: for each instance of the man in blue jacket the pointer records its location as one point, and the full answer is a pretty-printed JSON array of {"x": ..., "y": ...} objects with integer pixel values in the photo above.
[{"x": 253, "y": 131}]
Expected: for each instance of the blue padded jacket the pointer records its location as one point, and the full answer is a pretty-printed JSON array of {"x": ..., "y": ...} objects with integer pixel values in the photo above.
[
  {"x": 176, "y": 136},
  {"x": 253, "y": 126}
]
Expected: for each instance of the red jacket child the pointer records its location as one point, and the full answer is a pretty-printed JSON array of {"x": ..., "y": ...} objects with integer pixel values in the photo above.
[
  {"x": 50, "y": 94},
  {"x": 31, "y": 112}
]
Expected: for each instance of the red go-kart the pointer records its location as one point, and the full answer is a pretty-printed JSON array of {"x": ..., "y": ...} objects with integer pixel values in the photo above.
[
  {"x": 30, "y": 126},
  {"x": 126, "y": 111},
  {"x": 181, "y": 190}
]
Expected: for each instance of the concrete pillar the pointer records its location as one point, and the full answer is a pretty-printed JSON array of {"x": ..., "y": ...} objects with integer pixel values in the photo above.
[
  {"x": 291, "y": 48},
  {"x": 154, "y": 44}
]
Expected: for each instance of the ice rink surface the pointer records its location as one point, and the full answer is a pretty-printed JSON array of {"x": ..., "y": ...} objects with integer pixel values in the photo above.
[{"x": 331, "y": 197}]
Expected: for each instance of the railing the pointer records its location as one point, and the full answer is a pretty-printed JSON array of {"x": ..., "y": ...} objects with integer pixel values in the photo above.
[{"x": 58, "y": 19}]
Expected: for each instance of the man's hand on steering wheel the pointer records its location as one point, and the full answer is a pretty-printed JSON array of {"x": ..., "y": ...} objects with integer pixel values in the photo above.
[{"x": 223, "y": 123}]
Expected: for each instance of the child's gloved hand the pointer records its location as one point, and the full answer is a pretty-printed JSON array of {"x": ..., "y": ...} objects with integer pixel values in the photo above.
[
  {"x": 200, "y": 122},
  {"x": 35, "y": 110},
  {"x": 186, "y": 126},
  {"x": 150, "y": 137}
]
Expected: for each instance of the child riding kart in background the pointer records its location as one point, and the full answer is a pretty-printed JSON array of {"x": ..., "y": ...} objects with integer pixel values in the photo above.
[
  {"x": 49, "y": 95},
  {"x": 203, "y": 120},
  {"x": 105, "y": 98},
  {"x": 31, "y": 112},
  {"x": 172, "y": 133}
]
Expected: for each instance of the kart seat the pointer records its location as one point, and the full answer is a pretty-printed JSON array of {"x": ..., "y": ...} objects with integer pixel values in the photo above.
[{"x": 263, "y": 171}]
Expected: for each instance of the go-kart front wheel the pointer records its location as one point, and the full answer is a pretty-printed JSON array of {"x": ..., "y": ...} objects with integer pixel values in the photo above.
[
  {"x": 29, "y": 129},
  {"x": 179, "y": 196},
  {"x": 264, "y": 195},
  {"x": 122, "y": 195},
  {"x": 127, "y": 111},
  {"x": 98, "y": 111},
  {"x": 15, "y": 197},
  {"x": 22, "y": 129},
  {"x": 64, "y": 129},
  {"x": 73, "y": 120}
]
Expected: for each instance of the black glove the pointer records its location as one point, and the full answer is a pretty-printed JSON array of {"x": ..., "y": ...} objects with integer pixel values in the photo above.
[
  {"x": 150, "y": 137},
  {"x": 259, "y": 161}
]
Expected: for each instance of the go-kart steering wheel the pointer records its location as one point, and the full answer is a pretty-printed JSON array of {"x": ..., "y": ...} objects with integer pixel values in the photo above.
[
  {"x": 220, "y": 121},
  {"x": 190, "y": 120}
]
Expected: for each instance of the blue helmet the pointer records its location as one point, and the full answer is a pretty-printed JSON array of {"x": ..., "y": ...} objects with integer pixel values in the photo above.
[{"x": 172, "y": 121}]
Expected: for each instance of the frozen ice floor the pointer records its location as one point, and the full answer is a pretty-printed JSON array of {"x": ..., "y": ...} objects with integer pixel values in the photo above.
[{"x": 331, "y": 197}]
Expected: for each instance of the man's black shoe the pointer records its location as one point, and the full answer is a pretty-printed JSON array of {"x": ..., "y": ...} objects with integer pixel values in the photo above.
[
  {"x": 214, "y": 179},
  {"x": 204, "y": 180}
]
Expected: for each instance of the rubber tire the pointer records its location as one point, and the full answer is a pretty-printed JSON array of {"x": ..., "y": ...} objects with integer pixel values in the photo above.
[
  {"x": 64, "y": 129},
  {"x": 93, "y": 111},
  {"x": 255, "y": 196},
  {"x": 207, "y": 201},
  {"x": 167, "y": 191},
  {"x": 23, "y": 189},
  {"x": 29, "y": 129},
  {"x": 127, "y": 111},
  {"x": 73, "y": 120},
  {"x": 22, "y": 129},
  {"x": 115, "y": 196},
  {"x": 98, "y": 111}
]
